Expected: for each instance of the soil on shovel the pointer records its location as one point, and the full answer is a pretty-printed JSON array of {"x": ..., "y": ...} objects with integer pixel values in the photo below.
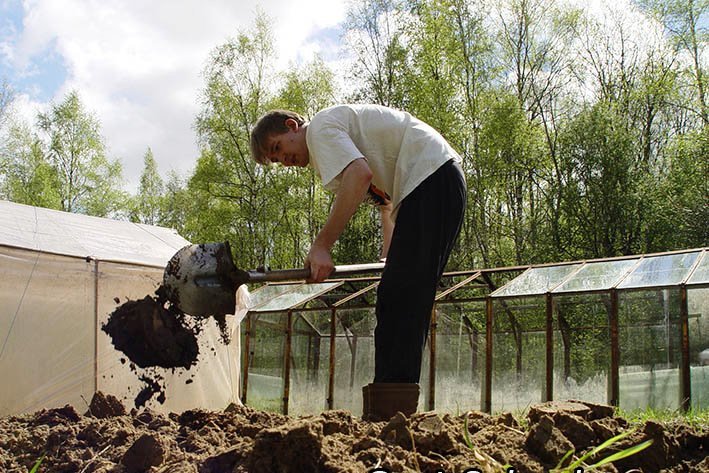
[{"x": 241, "y": 439}]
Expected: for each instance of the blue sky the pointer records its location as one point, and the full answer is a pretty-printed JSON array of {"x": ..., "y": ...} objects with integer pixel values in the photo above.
[
  {"x": 45, "y": 72},
  {"x": 137, "y": 65}
]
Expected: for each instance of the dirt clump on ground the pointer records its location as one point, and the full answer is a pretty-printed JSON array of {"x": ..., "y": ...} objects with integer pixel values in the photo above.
[{"x": 240, "y": 439}]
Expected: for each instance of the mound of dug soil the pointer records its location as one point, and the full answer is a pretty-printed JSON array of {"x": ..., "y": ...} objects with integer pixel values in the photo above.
[{"x": 241, "y": 439}]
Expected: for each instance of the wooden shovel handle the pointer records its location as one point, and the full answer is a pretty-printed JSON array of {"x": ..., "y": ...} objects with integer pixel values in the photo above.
[{"x": 304, "y": 273}]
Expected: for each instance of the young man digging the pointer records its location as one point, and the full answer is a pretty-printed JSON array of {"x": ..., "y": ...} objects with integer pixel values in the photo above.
[{"x": 358, "y": 150}]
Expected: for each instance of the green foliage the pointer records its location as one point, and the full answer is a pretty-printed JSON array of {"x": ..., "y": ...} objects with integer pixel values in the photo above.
[
  {"x": 375, "y": 29},
  {"x": 573, "y": 145},
  {"x": 431, "y": 92},
  {"x": 148, "y": 203},
  {"x": 680, "y": 197},
  {"x": 510, "y": 149},
  {"x": 686, "y": 25},
  {"x": 29, "y": 178},
  {"x": 64, "y": 167},
  {"x": 361, "y": 241},
  {"x": 230, "y": 192},
  {"x": 176, "y": 204},
  {"x": 89, "y": 182},
  {"x": 308, "y": 88},
  {"x": 602, "y": 205}
]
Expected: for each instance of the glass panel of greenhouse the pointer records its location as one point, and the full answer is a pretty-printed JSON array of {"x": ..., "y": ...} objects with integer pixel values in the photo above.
[
  {"x": 287, "y": 296},
  {"x": 354, "y": 357},
  {"x": 310, "y": 362},
  {"x": 597, "y": 276},
  {"x": 266, "y": 353},
  {"x": 518, "y": 353},
  {"x": 267, "y": 346},
  {"x": 664, "y": 270},
  {"x": 460, "y": 359},
  {"x": 536, "y": 281},
  {"x": 265, "y": 293},
  {"x": 701, "y": 273},
  {"x": 581, "y": 347},
  {"x": 649, "y": 341}
]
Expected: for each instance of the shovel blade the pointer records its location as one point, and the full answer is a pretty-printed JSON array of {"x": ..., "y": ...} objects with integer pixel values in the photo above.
[{"x": 200, "y": 280}]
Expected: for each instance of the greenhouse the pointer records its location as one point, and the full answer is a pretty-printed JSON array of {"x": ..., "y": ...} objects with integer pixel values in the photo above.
[
  {"x": 629, "y": 331},
  {"x": 62, "y": 275}
]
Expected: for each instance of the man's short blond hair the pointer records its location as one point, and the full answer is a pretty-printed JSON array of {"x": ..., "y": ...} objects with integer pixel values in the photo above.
[{"x": 272, "y": 123}]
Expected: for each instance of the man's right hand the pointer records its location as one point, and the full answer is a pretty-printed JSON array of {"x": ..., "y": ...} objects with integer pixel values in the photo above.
[{"x": 320, "y": 263}]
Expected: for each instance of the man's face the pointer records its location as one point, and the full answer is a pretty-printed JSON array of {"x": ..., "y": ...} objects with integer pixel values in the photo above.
[{"x": 290, "y": 148}]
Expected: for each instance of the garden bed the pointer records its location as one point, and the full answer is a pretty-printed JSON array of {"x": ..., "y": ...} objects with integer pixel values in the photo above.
[{"x": 108, "y": 438}]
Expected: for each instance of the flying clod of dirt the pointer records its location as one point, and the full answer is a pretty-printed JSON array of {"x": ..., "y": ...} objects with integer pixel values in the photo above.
[
  {"x": 151, "y": 335},
  {"x": 155, "y": 334}
]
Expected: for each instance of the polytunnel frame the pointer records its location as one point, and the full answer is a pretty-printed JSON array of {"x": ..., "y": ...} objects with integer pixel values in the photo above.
[{"x": 483, "y": 279}]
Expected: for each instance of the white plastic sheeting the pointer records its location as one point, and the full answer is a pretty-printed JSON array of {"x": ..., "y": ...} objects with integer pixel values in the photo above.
[
  {"x": 53, "y": 231},
  {"x": 62, "y": 276}
]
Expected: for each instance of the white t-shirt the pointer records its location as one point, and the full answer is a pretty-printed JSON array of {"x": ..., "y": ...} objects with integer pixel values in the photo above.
[{"x": 401, "y": 150}]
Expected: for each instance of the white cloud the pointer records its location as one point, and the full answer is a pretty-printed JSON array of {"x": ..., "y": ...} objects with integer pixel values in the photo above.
[{"x": 137, "y": 65}]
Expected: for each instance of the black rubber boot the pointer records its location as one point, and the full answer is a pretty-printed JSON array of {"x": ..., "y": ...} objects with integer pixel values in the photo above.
[{"x": 380, "y": 401}]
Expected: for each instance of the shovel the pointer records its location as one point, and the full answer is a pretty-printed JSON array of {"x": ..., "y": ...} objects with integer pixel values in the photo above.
[{"x": 202, "y": 280}]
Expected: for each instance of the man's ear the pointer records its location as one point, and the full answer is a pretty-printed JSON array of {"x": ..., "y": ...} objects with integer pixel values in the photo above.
[{"x": 291, "y": 124}]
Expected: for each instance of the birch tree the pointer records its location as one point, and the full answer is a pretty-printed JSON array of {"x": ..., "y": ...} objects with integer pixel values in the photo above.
[{"x": 90, "y": 182}]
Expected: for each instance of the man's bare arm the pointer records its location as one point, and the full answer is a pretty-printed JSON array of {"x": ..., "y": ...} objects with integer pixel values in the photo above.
[
  {"x": 355, "y": 180},
  {"x": 387, "y": 227}
]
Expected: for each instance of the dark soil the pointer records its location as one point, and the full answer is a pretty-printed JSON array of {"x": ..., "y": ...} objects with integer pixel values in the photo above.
[
  {"x": 107, "y": 438},
  {"x": 151, "y": 335},
  {"x": 155, "y": 335}
]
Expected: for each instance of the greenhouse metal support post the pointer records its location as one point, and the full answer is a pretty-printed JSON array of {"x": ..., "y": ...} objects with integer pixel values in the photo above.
[
  {"x": 331, "y": 370},
  {"x": 286, "y": 362},
  {"x": 487, "y": 387},
  {"x": 96, "y": 325},
  {"x": 549, "y": 388},
  {"x": 684, "y": 369},
  {"x": 614, "y": 380}
]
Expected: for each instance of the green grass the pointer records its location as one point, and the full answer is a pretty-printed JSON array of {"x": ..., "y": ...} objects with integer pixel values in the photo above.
[
  {"x": 269, "y": 405},
  {"x": 35, "y": 468},
  {"x": 581, "y": 461},
  {"x": 577, "y": 463},
  {"x": 696, "y": 418}
]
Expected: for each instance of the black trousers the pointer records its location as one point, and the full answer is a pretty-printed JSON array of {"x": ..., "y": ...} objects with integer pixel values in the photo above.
[{"x": 427, "y": 226}]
